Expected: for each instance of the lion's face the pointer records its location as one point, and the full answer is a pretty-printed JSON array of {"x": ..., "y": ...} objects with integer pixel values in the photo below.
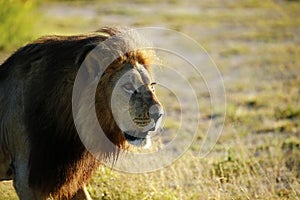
[{"x": 134, "y": 104}]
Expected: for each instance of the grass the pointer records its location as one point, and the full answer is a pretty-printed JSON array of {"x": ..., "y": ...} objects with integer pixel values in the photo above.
[
  {"x": 7, "y": 191},
  {"x": 256, "y": 47},
  {"x": 16, "y": 16}
]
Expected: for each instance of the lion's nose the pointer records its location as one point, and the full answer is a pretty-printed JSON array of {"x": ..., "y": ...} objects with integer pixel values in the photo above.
[
  {"x": 156, "y": 113},
  {"x": 156, "y": 116}
]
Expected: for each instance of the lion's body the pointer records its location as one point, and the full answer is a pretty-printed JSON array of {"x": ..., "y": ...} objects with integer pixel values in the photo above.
[
  {"x": 39, "y": 145},
  {"x": 38, "y": 138}
]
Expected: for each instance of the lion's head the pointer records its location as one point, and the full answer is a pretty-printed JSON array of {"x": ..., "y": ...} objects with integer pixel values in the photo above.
[
  {"x": 126, "y": 105},
  {"x": 134, "y": 104}
]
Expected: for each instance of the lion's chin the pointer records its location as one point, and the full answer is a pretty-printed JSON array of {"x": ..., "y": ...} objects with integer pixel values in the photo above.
[{"x": 142, "y": 140}]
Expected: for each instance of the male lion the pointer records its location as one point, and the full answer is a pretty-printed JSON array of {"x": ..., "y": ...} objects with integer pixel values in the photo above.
[{"x": 40, "y": 148}]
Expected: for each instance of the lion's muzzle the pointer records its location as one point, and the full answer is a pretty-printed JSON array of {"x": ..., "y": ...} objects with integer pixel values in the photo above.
[
  {"x": 151, "y": 122},
  {"x": 151, "y": 119}
]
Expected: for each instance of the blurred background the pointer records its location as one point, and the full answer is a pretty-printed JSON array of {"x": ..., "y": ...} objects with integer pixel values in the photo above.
[{"x": 256, "y": 46}]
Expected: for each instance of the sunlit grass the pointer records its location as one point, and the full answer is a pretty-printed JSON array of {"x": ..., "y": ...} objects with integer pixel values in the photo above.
[{"x": 7, "y": 191}]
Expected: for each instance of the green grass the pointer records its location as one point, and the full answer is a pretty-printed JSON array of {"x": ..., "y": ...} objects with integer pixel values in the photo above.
[
  {"x": 256, "y": 47},
  {"x": 17, "y": 19}
]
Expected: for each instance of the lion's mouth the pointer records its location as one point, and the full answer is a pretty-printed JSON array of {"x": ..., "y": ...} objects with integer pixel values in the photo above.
[
  {"x": 137, "y": 139},
  {"x": 132, "y": 136}
]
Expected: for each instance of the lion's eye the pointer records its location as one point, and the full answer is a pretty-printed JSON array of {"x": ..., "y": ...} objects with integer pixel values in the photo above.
[
  {"x": 152, "y": 87},
  {"x": 129, "y": 88}
]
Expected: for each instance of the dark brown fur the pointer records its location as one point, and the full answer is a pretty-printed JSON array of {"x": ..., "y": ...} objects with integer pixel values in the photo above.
[{"x": 59, "y": 164}]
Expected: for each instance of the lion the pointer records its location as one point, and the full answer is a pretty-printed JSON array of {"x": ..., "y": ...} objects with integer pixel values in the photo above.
[{"x": 40, "y": 146}]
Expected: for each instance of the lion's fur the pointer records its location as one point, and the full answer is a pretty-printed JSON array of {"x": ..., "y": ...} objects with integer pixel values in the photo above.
[{"x": 36, "y": 85}]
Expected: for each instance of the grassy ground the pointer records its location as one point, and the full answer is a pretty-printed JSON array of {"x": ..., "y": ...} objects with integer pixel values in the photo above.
[{"x": 256, "y": 47}]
